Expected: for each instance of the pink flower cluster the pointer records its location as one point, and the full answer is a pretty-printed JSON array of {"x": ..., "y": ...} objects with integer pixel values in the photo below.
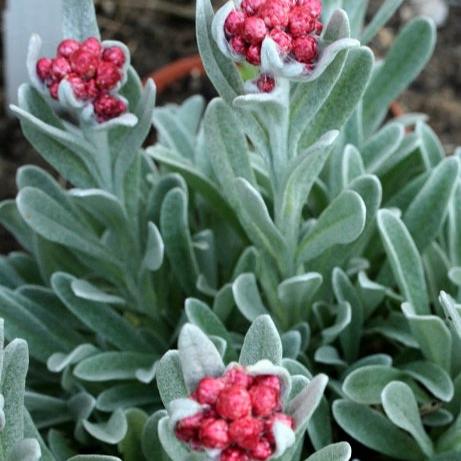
[
  {"x": 92, "y": 71},
  {"x": 293, "y": 24},
  {"x": 240, "y": 411}
]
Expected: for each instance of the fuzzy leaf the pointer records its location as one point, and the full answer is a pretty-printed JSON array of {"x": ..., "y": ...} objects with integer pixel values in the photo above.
[
  {"x": 337, "y": 452},
  {"x": 151, "y": 445},
  {"x": 110, "y": 366},
  {"x": 170, "y": 380},
  {"x": 247, "y": 297},
  {"x": 79, "y": 19},
  {"x": 15, "y": 364},
  {"x": 342, "y": 222},
  {"x": 99, "y": 318},
  {"x": 405, "y": 60},
  {"x": 262, "y": 342},
  {"x": 298, "y": 184},
  {"x": 404, "y": 259},
  {"x": 432, "y": 334},
  {"x": 221, "y": 71},
  {"x": 111, "y": 431},
  {"x": 385, "y": 12},
  {"x": 372, "y": 429},
  {"x": 303, "y": 406},
  {"x": 199, "y": 357},
  {"x": 174, "y": 226},
  {"x": 344, "y": 96},
  {"x": 452, "y": 312},
  {"x": 427, "y": 212},
  {"x": 402, "y": 409}
]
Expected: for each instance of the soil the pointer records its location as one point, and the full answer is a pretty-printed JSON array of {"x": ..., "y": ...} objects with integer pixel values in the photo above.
[{"x": 161, "y": 31}]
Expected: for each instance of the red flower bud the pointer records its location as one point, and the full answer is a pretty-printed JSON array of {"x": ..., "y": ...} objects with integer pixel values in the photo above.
[
  {"x": 253, "y": 55},
  {"x": 266, "y": 83},
  {"x": 84, "y": 63},
  {"x": 208, "y": 390},
  {"x": 274, "y": 13},
  {"x": 318, "y": 27},
  {"x": 233, "y": 403},
  {"x": 246, "y": 432},
  {"x": 301, "y": 21},
  {"x": 67, "y": 47},
  {"x": 54, "y": 90},
  {"x": 187, "y": 430},
  {"x": 262, "y": 451},
  {"x": 264, "y": 400},
  {"x": 92, "y": 45},
  {"x": 44, "y": 68},
  {"x": 234, "y": 22},
  {"x": 237, "y": 376},
  {"x": 107, "y": 107},
  {"x": 60, "y": 68},
  {"x": 305, "y": 49},
  {"x": 233, "y": 454},
  {"x": 283, "y": 41},
  {"x": 269, "y": 380},
  {"x": 92, "y": 89},
  {"x": 314, "y": 6},
  {"x": 78, "y": 85},
  {"x": 280, "y": 417},
  {"x": 238, "y": 44},
  {"x": 251, "y": 7},
  {"x": 214, "y": 433},
  {"x": 108, "y": 75},
  {"x": 115, "y": 55},
  {"x": 254, "y": 30}
]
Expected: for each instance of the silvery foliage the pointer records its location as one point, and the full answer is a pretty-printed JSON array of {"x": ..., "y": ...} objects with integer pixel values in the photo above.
[{"x": 306, "y": 204}]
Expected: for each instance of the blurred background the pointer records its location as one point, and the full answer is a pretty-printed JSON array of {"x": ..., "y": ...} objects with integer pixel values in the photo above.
[{"x": 159, "y": 32}]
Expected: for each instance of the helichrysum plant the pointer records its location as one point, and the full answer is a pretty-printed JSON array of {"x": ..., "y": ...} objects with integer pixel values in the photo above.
[{"x": 278, "y": 275}]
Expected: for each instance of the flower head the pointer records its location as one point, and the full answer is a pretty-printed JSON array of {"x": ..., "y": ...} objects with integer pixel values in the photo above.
[
  {"x": 84, "y": 77},
  {"x": 293, "y": 26},
  {"x": 236, "y": 413}
]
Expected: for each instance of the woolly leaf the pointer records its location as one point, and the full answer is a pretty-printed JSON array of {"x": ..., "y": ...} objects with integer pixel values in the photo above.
[
  {"x": 51, "y": 220},
  {"x": 337, "y": 452},
  {"x": 170, "y": 380},
  {"x": 99, "y": 317},
  {"x": 408, "y": 55},
  {"x": 401, "y": 407},
  {"x": 176, "y": 235},
  {"x": 303, "y": 406},
  {"x": 303, "y": 172},
  {"x": 385, "y": 12},
  {"x": 433, "y": 377},
  {"x": 262, "y": 342},
  {"x": 109, "y": 366},
  {"x": 452, "y": 312},
  {"x": 432, "y": 334},
  {"x": 405, "y": 260},
  {"x": 220, "y": 69},
  {"x": 255, "y": 216},
  {"x": 247, "y": 297},
  {"x": 15, "y": 364},
  {"x": 153, "y": 257},
  {"x": 111, "y": 431},
  {"x": 341, "y": 223},
  {"x": 126, "y": 396},
  {"x": 198, "y": 355},
  {"x": 427, "y": 212},
  {"x": 151, "y": 445},
  {"x": 79, "y": 19},
  {"x": 372, "y": 429}
]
